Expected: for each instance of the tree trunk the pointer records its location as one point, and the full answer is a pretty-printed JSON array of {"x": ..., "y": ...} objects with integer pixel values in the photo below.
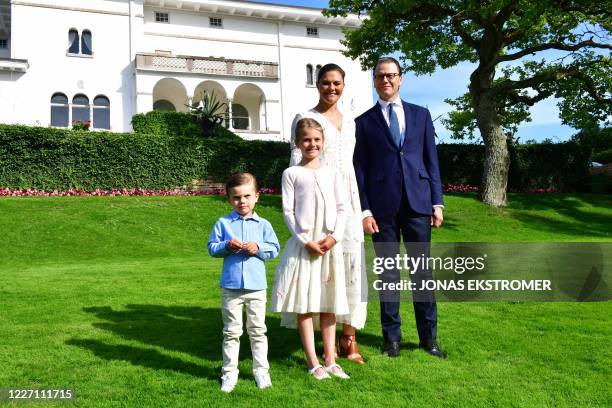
[{"x": 497, "y": 158}]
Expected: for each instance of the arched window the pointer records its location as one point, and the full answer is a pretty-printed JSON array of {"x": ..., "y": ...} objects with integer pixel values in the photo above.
[
  {"x": 240, "y": 117},
  {"x": 86, "y": 43},
  {"x": 73, "y": 41},
  {"x": 317, "y": 72},
  {"x": 80, "y": 108},
  {"x": 59, "y": 110},
  {"x": 309, "y": 78},
  {"x": 101, "y": 112},
  {"x": 164, "y": 105}
]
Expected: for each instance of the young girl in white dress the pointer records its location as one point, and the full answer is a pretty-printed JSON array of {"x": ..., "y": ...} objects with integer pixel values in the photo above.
[{"x": 310, "y": 276}]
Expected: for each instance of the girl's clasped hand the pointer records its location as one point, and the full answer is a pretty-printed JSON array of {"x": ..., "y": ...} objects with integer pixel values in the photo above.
[{"x": 320, "y": 247}]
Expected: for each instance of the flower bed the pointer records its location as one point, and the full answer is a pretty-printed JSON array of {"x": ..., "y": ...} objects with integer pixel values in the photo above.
[{"x": 8, "y": 192}]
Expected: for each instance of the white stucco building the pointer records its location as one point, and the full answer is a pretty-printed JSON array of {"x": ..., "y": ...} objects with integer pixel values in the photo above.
[{"x": 106, "y": 60}]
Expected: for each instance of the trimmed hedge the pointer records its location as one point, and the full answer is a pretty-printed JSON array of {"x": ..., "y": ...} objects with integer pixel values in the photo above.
[
  {"x": 603, "y": 157},
  {"x": 57, "y": 159},
  {"x": 562, "y": 166},
  {"x": 176, "y": 124}
]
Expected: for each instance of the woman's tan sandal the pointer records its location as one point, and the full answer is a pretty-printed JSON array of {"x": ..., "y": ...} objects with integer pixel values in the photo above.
[{"x": 350, "y": 349}]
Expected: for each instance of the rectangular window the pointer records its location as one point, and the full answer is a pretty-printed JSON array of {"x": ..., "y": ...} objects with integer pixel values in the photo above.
[
  {"x": 59, "y": 116},
  {"x": 216, "y": 22},
  {"x": 312, "y": 31},
  {"x": 3, "y": 44},
  {"x": 161, "y": 17},
  {"x": 80, "y": 113},
  {"x": 101, "y": 118}
]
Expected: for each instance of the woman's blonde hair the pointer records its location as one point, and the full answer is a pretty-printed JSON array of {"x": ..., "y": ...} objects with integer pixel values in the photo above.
[{"x": 306, "y": 123}]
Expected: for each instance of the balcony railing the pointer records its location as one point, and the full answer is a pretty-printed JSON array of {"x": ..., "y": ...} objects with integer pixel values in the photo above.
[{"x": 203, "y": 65}]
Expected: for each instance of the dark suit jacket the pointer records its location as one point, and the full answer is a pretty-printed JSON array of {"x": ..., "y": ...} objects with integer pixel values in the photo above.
[{"x": 382, "y": 168}]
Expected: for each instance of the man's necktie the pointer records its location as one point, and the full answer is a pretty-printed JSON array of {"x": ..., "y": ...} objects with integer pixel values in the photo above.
[{"x": 394, "y": 127}]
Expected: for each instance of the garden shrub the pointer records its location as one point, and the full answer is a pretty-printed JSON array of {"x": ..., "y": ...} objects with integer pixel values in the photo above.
[{"x": 59, "y": 159}]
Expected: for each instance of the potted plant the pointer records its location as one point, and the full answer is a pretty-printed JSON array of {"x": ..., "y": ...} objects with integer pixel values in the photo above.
[
  {"x": 81, "y": 125},
  {"x": 210, "y": 112}
]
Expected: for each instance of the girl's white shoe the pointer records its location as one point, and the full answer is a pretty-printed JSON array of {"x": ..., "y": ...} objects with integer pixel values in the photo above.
[
  {"x": 313, "y": 372},
  {"x": 338, "y": 373}
]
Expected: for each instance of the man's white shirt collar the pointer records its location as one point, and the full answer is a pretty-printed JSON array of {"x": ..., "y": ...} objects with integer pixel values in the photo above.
[{"x": 385, "y": 104}]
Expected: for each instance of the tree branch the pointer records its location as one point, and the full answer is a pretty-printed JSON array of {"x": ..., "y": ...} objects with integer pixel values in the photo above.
[
  {"x": 505, "y": 13},
  {"x": 515, "y": 97},
  {"x": 591, "y": 88},
  {"x": 509, "y": 87},
  {"x": 586, "y": 8},
  {"x": 552, "y": 46},
  {"x": 469, "y": 40},
  {"x": 534, "y": 81},
  {"x": 513, "y": 36}
]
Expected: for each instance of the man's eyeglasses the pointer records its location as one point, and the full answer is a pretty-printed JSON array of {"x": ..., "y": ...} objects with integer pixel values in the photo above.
[{"x": 390, "y": 77}]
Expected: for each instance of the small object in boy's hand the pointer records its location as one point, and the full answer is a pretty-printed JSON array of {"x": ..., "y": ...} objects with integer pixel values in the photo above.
[
  {"x": 235, "y": 245},
  {"x": 250, "y": 247}
]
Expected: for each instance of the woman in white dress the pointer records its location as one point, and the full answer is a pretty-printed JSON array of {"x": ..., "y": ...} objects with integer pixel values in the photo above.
[
  {"x": 339, "y": 130},
  {"x": 309, "y": 279}
]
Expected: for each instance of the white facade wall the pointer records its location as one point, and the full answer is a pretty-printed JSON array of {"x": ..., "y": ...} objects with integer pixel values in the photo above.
[
  {"x": 122, "y": 29},
  {"x": 40, "y": 36},
  {"x": 298, "y": 51},
  {"x": 188, "y": 33}
]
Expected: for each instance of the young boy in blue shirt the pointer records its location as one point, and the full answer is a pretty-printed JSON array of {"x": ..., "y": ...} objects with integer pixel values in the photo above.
[{"x": 244, "y": 241}]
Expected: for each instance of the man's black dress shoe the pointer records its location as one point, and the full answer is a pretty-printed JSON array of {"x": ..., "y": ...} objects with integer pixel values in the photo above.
[
  {"x": 392, "y": 348},
  {"x": 433, "y": 349}
]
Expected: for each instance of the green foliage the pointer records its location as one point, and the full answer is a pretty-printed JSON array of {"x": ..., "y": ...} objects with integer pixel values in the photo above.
[
  {"x": 177, "y": 124},
  {"x": 461, "y": 163},
  {"x": 80, "y": 125},
  {"x": 167, "y": 123},
  {"x": 49, "y": 159},
  {"x": 462, "y": 122},
  {"x": 605, "y": 156},
  {"x": 562, "y": 166},
  {"x": 595, "y": 138},
  {"x": 499, "y": 35}
]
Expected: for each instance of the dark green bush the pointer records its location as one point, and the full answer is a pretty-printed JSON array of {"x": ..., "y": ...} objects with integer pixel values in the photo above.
[
  {"x": 165, "y": 123},
  {"x": 177, "y": 124},
  {"x": 461, "y": 163},
  {"x": 49, "y": 159},
  {"x": 562, "y": 166},
  {"x": 604, "y": 157}
]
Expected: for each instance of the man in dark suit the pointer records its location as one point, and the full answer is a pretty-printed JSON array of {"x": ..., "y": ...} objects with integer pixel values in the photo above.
[{"x": 398, "y": 176}]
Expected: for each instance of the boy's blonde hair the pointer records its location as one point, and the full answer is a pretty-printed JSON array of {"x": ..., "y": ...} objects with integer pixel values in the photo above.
[
  {"x": 306, "y": 123},
  {"x": 239, "y": 179}
]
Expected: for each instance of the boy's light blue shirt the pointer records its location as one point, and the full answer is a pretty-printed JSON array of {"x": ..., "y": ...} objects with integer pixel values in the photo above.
[{"x": 241, "y": 270}]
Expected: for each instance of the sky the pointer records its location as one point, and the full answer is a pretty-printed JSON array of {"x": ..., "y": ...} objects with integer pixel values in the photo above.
[{"x": 431, "y": 90}]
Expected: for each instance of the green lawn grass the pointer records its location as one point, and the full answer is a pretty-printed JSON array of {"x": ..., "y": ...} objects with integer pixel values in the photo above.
[{"x": 116, "y": 298}]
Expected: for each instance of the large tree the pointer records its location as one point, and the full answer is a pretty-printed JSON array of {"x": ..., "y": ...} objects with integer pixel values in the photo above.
[{"x": 500, "y": 37}]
